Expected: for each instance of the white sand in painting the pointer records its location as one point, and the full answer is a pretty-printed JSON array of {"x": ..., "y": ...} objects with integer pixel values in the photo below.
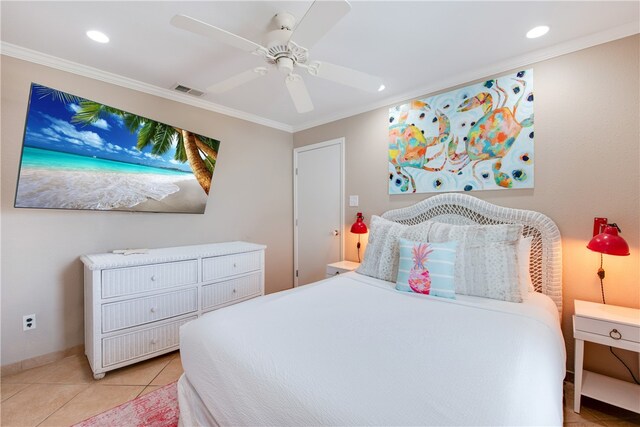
[
  {"x": 82, "y": 189},
  {"x": 190, "y": 199}
]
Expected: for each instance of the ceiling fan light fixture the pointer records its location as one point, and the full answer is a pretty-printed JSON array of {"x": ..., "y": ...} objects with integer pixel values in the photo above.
[
  {"x": 97, "y": 36},
  {"x": 285, "y": 65},
  {"x": 538, "y": 31}
]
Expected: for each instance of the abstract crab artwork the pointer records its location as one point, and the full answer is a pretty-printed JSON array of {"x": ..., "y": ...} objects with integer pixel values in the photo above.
[
  {"x": 80, "y": 154},
  {"x": 479, "y": 137}
]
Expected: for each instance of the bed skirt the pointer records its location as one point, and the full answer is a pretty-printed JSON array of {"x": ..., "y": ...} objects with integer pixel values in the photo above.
[{"x": 192, "y": 411}]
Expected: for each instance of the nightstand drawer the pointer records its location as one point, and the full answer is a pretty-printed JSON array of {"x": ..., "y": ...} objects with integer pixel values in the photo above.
[
  {"x": 341, "y": 267},
  {"x": 606, "y": 329},
  {"x": 332, "y": 271}
]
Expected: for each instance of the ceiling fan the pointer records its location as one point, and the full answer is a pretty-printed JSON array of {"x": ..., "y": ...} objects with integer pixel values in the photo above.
[{"x": 281, "y": 52}]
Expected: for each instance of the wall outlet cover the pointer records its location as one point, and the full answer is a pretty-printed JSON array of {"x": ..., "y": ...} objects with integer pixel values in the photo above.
[{"x": 28, "y": 322}]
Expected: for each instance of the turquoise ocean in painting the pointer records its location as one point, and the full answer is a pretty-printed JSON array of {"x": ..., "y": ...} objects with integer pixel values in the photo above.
[
  {"x": 38, "y": 158},
  {"x": 53, "y": 179}
]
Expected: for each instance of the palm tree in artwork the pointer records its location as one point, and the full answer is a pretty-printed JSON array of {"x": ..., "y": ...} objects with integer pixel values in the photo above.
[{"x": 200, "y": 151}]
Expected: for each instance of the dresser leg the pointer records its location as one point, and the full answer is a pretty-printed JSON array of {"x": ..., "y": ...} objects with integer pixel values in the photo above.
[
  {"x": 577, "y": 393},
  {"x": 99, "y": 376}
]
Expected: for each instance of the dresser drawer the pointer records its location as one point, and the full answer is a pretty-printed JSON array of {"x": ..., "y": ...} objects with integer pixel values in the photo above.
[
  {"x": 131, "y": 280},
  {"x": 604, "y": 328},
  {"x": 230, "y": 265},
  {"x": 231, "y": 290},
  {"x": 125, "y": 314},
  {"x": 130, "y": 346}
]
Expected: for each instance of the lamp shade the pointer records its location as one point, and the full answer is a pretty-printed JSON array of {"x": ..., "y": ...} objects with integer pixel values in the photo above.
[
  {"x": 609, "y": 242},
  {"x": 359, "y": 227}
]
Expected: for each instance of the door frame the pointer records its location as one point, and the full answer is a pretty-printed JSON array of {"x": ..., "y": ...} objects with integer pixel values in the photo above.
[{"x": 296, "y": 152}]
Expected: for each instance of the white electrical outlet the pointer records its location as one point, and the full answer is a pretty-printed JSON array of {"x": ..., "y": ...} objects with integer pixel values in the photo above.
[
  {"x": 353, "y": 201},
  {"x": 28, "y": 322}
]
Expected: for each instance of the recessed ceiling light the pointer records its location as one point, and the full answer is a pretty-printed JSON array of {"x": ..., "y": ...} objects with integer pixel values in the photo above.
[
  {"x": 537, "y": 32},
  {"x": 97, "y": 36},
  {"x": 381, "y": 88}
]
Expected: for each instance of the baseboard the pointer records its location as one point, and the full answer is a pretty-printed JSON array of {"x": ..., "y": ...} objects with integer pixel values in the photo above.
[{"x": 34, "y": 362}]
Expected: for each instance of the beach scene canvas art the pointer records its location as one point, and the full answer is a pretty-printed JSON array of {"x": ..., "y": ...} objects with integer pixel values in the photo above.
[{"x": 81, "y": 154}]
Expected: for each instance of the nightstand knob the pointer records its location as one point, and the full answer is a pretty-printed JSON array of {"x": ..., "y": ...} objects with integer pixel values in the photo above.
[
  {"x": 615, "y": 334},
  {"x": 337, "y": 272}
]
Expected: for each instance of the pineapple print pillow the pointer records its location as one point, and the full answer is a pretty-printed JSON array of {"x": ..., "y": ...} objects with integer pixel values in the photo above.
[{"x": 427, "y": 268}]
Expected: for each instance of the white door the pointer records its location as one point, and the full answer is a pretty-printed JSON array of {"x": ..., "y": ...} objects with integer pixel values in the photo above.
[{"x": 318, "y": 209}]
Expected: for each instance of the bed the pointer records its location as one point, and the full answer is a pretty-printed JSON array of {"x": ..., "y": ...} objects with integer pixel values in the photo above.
[{"x": 353, "y": 350}]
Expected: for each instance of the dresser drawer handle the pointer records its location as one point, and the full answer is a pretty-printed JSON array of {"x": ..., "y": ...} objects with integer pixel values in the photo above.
[
  {"x": 153, "y": 309},
  {"x": 615, "y": 334},
  {"x": 234, "y": 265},
  {"x": 234, "y": 291},
  {"x": 153, "y": 278},
  {"x": 154, "y": 341}
]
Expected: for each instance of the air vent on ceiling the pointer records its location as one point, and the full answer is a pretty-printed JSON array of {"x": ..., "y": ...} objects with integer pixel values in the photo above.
[{"x": 185, "y": 89}]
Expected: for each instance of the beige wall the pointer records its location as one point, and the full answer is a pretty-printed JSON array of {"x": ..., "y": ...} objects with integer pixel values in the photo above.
[
  {"x": 587, "y": 164},
  {"x": 250, "y": 199}
]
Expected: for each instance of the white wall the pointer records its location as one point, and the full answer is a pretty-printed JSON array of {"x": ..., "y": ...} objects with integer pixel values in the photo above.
[
  {"x": 250, "y": 199},
  {"x": 587, "y": 164}
]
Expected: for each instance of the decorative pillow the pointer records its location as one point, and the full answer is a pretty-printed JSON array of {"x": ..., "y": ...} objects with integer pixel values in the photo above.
[
  {"x": 427, "y": 268},
  {"x": 381, "y": 256},
  {"x": 524, "y": 256},
  {"x": 486, "y": 261}
]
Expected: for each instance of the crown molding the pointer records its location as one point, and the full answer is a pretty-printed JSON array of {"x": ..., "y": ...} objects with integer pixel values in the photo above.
[
  {"x": 477, "y": 74},
  {"x": 36, "y": 57},
  {"x": 481, "y": 73}
]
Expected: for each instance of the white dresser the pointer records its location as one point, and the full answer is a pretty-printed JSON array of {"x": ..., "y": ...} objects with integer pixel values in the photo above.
[{"x": 134, "y": 305}]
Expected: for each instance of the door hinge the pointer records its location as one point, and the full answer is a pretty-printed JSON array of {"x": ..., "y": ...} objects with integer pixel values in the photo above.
[
  {"x": 296, "y": 273},
  {"x": 296, "y": 171},
  {"x": 296, "y": 222}
]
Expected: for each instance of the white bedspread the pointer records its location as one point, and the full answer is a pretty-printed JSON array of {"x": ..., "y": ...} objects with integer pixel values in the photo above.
[{"x": 353, "y": 351}]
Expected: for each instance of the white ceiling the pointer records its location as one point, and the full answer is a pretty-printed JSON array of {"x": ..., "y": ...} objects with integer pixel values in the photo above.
[{"x": 416, "y": 47}]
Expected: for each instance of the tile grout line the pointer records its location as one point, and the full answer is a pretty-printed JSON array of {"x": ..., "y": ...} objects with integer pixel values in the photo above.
[
  {"x": 158, "y": 374},
  {"x": 64, "y": 404}
]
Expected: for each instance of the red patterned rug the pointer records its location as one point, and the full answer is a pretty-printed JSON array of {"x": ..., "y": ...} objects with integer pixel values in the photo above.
[{"x": 156, "y": 409}]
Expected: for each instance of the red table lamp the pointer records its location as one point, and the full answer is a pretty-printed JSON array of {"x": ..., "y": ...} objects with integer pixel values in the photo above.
[
  {"x": 359, "y": 227},
  {"x": 607, "y": 241}
]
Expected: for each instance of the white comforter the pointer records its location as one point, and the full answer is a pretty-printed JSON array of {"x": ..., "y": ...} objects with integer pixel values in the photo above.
[{"x": 353, "y": 351}]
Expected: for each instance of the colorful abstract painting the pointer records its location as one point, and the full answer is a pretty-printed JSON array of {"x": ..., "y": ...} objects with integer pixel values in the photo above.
[
  {"x": 80, "y": 154},
  {"x": 476, "y": 138}
]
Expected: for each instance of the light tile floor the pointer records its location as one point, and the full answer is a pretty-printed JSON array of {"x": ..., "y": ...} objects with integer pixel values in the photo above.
[{"x": 64, "y": 393}]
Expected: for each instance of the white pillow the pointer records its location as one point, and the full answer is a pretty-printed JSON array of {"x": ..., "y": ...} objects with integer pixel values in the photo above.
[
  {"x": 382, "y": 255},
  {"x": 524, "y": 256},
  {"x": 487, "y": 261}
]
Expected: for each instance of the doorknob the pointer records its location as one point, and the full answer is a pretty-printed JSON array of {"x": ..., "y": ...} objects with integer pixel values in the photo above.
[{"x": 336, "y": 233}]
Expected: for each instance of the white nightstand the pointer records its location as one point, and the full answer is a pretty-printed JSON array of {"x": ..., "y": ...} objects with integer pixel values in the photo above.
[
  {"x": 608, "y": 325},
  {"x": 341, "y": 267}
]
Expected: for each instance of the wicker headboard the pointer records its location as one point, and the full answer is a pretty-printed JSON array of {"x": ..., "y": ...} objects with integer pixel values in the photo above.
[{"x": 461, "y": 209}]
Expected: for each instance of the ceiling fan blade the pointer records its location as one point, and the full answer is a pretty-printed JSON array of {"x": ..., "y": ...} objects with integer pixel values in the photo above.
[
  {"x": 237, "y": 80},
  {"x": 202, "y": 28},
  {"x": 345, "y": 76},
  {"x": 299, "y": 94},
  {"x": 321, "y": 16}
]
